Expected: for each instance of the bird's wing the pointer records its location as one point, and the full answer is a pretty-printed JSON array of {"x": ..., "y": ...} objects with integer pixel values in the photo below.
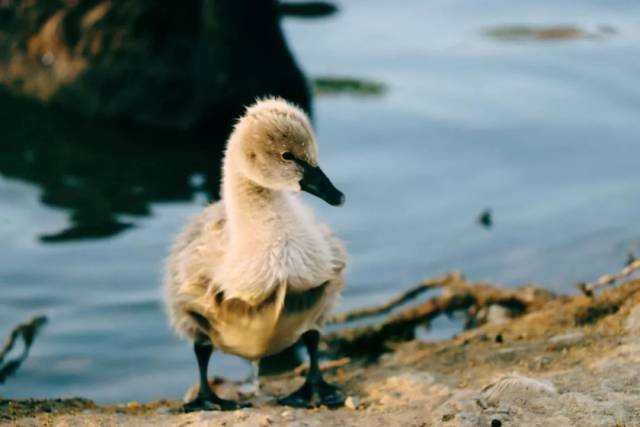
[
  {"x": 338, "y": 251},
  {"x": 197, "y": 251}
]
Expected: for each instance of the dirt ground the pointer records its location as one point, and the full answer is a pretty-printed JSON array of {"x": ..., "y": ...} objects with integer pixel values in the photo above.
[{"x": 574, "y": 362}]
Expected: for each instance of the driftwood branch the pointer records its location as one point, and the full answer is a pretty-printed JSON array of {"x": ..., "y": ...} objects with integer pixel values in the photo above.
[
  {"x": 457, "y": 295},
  {"x": 404, "y": 297},
  {"x": 27, "y": 331},
  {"x": 324, "y": 366},
  {"x": 609, "y": 279}
]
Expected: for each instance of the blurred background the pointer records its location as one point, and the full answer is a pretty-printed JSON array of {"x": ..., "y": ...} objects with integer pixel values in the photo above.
[{"x": 498, "y": 138}]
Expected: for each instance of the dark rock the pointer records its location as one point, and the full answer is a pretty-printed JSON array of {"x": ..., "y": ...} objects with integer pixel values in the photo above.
[
  {"x": 170, "y": 64},
  {"x": 485, "y": 218}
]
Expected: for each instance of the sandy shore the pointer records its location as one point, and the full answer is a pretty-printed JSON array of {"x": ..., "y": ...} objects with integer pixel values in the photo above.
[{"x": 575, "y": 362}]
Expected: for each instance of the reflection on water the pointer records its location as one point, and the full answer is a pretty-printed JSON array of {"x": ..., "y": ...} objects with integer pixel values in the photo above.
[
  {"x": 306, "y": 9},
  {"x": 347, "y": 85},
  {"x": 557, "y": 33},
  {"x": 103, "y": 175}
]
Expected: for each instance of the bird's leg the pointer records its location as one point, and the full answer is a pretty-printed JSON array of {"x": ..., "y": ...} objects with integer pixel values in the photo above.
[
  {"x": 315, "y": 391},
  {"x": 255, "y": 376},
  {"x": 207, "y": 400}
]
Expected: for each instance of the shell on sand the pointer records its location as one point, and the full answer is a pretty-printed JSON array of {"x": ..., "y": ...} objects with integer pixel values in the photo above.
[{"x": 517, "y": 386}]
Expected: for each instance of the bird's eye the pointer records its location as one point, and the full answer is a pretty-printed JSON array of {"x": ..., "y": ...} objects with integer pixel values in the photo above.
[{"x": 287, "y": 155}]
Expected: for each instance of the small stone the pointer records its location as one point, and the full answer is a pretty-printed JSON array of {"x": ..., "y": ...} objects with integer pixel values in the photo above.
[
  {"x": 517, "y": 386},
  {"x": 507, "y": 354},
  {"x": 352, "y": 402},
  {"x": 567, "y": 340},
  {"x": 498, "y": 314},
  {"x": 286, "y": 414},
  {"x": 133, "y": 405},
  {"x": 540, "y": 362},
  {"x": 48, "y": 59}
]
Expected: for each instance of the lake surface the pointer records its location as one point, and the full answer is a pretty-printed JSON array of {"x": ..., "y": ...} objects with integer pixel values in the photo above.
[{"x": 543, "y": 131}]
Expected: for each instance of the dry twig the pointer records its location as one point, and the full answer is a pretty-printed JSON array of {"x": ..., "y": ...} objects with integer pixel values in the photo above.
[
  {"x": 28, "y": 331},
  {"x": 408, "y": 295},
  {"x": 609, "y": 279},
  {"x": 324, "y": 366},
  {"x": 457, "y": 295}
]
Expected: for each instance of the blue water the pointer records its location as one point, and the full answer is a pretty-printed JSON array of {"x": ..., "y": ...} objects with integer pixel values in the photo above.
[{"x": 545, "y": 133}]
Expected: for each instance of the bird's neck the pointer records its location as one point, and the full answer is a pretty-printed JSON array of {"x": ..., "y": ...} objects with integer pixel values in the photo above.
[
  {"x": 256, "y": 215},
  {"x": 272, "y": 240}
]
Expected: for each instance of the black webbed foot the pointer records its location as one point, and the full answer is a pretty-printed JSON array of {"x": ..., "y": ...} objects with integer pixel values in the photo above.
[
  {"x": 315, "y": 391},
  {"x": 207, "y": 400},
  {"x": 312, "y": 395},
  {"x": 301, "y": 398},
  {"x": 213, "y": 403}
]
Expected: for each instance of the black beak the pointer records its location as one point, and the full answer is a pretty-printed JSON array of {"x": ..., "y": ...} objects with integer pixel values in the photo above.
[{"x": 315, "y": 182}]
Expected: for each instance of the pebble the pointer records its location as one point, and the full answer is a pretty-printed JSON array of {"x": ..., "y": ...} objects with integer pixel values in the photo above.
[
  {"x": 567, "y": 340},
  {"x": 497, "y": 314},
  {"x": 133, "y": 405},
  {"x": 352, "y": 402},
  {"x": 517, "y": 386},
  {"x": 288, "y": 415},
  {"x": 48, "y": 59},
  {"x": 164, "y": 410},
  {"x": 540, "y": 362},
  {"x": 506, "y": 354}
]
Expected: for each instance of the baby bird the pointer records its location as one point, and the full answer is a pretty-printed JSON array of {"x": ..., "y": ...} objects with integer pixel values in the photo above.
[{"x": 254, "y": 272}]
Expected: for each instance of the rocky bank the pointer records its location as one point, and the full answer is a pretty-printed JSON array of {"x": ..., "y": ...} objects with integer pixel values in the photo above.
[
  {"x": 573, "y": 362},
  {"x": 155, "y": 62}
]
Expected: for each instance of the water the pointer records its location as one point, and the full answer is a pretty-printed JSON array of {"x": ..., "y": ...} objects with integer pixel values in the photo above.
[{"x": 543, "y": 132}]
